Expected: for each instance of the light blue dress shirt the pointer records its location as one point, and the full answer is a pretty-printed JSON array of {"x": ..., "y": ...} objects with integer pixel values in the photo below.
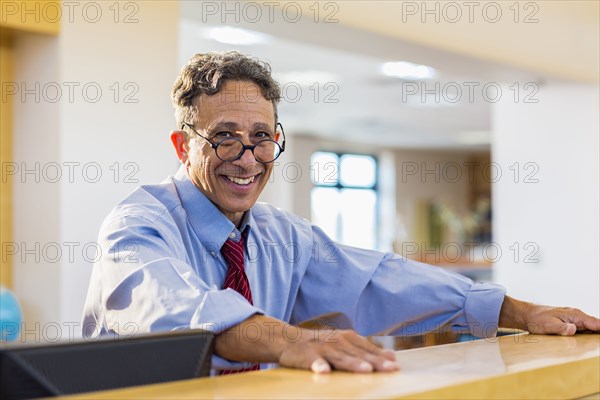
[{"x": 161, "y": 269}]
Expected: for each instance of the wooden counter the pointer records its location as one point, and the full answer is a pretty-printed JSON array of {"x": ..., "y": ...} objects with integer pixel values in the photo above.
[{"x": 510, "y": 367}]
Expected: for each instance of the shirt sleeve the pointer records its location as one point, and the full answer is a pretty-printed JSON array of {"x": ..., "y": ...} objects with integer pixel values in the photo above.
[
  {"x": 378, "y": 293},
  {"x": 144, "y": 283}
]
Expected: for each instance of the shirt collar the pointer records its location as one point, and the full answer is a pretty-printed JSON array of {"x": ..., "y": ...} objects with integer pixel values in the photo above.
[
  {"x": 208, "y": 222},
  {"x": 246, "y": 223}
]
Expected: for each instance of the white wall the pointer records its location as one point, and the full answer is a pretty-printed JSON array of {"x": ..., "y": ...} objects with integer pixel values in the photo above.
[
  {"x": 142, "y": 54},
  {"x": 89, "y": 134},
  {"x": 36, "y": 201},
  {"x": 560, "y": 213}
]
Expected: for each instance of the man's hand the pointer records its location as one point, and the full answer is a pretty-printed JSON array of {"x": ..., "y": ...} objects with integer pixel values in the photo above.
[
  {"x": 340, "y": 349},
  {"x": 317, "y": 350},
  {"x": 545, "y": 320}
]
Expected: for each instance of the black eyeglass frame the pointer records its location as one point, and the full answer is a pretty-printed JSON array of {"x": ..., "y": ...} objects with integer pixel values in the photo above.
[{"x": 244, "y": 147}]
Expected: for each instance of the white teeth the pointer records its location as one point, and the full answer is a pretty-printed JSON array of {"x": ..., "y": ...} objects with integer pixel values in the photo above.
[{"x": 241, "y": 181}]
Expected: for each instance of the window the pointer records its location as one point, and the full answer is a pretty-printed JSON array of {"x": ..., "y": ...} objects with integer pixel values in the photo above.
[{"x": 344, "y": 197}]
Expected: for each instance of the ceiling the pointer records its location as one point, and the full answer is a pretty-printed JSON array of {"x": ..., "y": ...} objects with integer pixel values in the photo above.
[
  {"x": 560, "y": 38},
  {"x": 351, "y": 99}
]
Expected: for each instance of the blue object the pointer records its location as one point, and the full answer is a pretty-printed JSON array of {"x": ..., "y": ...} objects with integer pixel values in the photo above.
[
  {"x": 467, "y": 337},
  {"x": 10, "y": 316}
]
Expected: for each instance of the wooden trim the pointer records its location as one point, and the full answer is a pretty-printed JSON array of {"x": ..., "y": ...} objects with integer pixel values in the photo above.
[
  {"x": 6, "y": 116},
  {"x": 38, "y": 16}
]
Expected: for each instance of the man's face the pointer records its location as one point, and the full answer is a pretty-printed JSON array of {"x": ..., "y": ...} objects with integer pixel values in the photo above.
[{"x": 239, "y": 110}]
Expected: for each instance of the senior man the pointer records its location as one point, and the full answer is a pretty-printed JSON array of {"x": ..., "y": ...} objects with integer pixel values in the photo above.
[{"x": 197, "y": 251}]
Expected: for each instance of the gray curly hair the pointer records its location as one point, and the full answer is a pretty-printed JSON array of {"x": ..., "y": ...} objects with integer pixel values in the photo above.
[{"x": 206, "y": 73}]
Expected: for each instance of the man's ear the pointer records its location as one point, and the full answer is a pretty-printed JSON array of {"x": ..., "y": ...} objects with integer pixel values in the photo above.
[{"x": 178, "y": 138}]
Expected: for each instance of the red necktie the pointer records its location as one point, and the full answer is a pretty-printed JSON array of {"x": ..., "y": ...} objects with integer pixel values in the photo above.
[{"x": 236, "y": 279}]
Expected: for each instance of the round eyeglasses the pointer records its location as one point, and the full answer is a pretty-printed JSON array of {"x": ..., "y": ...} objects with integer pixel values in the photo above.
[{"x": 230, "y": 149}]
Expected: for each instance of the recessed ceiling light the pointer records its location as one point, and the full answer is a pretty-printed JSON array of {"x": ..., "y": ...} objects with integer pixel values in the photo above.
[
  {"x": 403, "y": 69},
  {"x": 237, "y": 36},
  {"x": 474, "y": 137}
]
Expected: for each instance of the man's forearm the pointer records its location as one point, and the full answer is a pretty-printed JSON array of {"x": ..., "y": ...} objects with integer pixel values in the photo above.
[
  {"x": 513, "y": 313},
  {"x": 258, "y": 339}
]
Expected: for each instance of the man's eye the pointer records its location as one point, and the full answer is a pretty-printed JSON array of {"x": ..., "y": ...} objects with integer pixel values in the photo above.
[
  {"x": 222, "y": 135},
  {"x": 263, "y": 135}
]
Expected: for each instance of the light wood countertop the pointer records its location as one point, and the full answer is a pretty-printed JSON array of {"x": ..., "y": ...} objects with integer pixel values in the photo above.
[{"x": 509, "y": 367}]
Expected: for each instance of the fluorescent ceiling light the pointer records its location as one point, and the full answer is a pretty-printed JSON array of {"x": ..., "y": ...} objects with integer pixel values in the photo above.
[
  {"x": 306, "y": 78},
  {"x": 237, "y": 36},
  {"x": 403, "y": 69},
  {"x": 474, "y": 137}
]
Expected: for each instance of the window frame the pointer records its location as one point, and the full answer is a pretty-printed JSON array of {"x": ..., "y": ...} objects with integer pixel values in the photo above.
[{"x": 339, "y": 187}]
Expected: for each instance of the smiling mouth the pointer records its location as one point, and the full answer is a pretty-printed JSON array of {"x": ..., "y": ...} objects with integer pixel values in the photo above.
[{"x": 241, "y": 181}]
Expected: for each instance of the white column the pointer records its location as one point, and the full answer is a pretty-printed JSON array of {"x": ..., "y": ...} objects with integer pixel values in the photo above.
[
  {"x": 108, "y": 132},
  {"x": 550, "y": 209}
]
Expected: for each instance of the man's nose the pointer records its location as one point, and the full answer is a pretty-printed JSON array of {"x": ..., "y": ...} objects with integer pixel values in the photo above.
[{"x": 247, "y": 157}]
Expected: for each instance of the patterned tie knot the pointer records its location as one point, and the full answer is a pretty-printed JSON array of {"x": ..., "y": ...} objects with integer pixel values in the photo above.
[{"x": 233, "y": 252}]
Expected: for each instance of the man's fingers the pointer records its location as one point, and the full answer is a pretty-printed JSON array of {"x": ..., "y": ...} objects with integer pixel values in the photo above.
[
  {"x": 387, "y": 365},
  {"x": 390, "y": 354},
  {"x": 568, "y": 329},
  {"x": 305, "y": 357},
  {"x": 582, "y": 320},
  {"x": 553, "y": 326},
  {"x": 320, "y": 366},
  {"x": 590, "y": 323},
  {"x": 349, "y": 352},
  {"x": 370, "y": 347},
  {"x": 346, "y": 362},
  {"x": 381, "y": 360}
]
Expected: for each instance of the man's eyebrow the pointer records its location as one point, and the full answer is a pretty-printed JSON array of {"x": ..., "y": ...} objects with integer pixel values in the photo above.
[
  {"x": 233, "y": 126},
  {"x": 224, "y": 125},
  {"x": 262, "y": 126}
]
